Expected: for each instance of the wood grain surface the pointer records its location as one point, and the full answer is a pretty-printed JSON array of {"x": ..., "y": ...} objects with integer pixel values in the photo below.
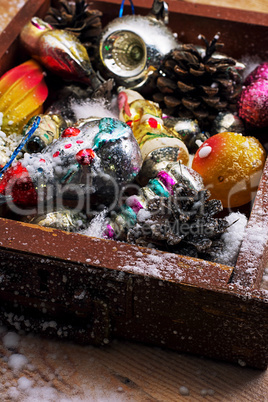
[
  {"x": 53, "y": 370},
  {"x": 253, "y": 5},
  {"x": 124, "y": 371}
]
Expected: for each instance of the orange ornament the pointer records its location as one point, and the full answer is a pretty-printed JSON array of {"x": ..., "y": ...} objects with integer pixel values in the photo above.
[
  {"x": 22, "y": 93},
  {"x": 231, "y": 166}
]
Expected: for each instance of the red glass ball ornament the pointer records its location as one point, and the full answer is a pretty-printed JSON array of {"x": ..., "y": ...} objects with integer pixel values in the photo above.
[{"x": 17, "y": 183}]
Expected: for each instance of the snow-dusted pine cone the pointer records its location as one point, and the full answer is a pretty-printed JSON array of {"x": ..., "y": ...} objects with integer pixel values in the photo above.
[
  {"x": 198, "y": 84},
  {"x": 182, "y": 223}
]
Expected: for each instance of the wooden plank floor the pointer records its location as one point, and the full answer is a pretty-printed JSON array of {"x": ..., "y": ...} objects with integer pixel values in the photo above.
[
  {"x": 122, "y": 371},
  {"x": 35, "y": 369}
]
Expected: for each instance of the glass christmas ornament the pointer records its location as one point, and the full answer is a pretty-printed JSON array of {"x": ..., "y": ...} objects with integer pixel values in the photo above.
[
  {"x": 132, "y": 47},
  {"x": 227, "y": 121},
  {"x": 58, "y": 173},
  {"x": 231, "y": 167},
  {"x": 159, "y": 145},
  {"x": 59, "y": 51},
  {"x": 49, "y": 129},
  {"x": 189, "y": 131},
  {"x": 23, "y": 92}
]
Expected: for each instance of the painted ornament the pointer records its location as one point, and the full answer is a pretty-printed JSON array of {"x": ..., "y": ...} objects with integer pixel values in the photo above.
[
  {"x": 22, "y": 93},
  {"x": 88, "y": 163},
  {"x": 59, "y": 51},
  {"x": 231, "y": 166},
  {"x": 159, "y": 145},
  {"x": 49, "y": 129}
]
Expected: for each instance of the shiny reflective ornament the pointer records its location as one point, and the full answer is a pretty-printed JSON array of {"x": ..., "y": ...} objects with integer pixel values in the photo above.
[
  {"x": 59, "y": 51},
  {"x": 159, "y": 145},
  {"x": 132, "y": 47},
  {"x": 189, "y": 131},
  {"x": 49, "y": 129},
  {"x": 161, "y": 186},
  {"x": 59, "y": 173},
  {"x": 22, "y": 93},
  {"x": 227, "y": 121},
  {"x": 65, "y": 219}
]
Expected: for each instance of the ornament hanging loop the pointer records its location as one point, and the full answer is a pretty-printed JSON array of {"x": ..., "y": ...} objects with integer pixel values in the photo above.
[
  {"x": 160, "y": 11},
  {"x": 122, "y": 8}
]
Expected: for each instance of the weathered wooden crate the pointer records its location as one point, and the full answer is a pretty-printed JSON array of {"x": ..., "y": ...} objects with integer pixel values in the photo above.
[{"x": 182, "y": 303}]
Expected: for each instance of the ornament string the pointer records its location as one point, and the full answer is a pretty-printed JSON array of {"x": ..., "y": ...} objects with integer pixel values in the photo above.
[
  {"x": 122, "y": 8},
  {"x": 26, "y": 137}
]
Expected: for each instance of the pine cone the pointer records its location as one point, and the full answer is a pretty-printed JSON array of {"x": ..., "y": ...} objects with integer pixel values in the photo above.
[
  {"x": 197, "y": 84},
  {"x": 77, "y": 17},
  {"x": 182, "y": 223}
]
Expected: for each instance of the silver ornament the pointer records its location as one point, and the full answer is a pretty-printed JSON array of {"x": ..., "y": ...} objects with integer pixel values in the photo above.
[
  {"x": 189, "y": 131},
  {"x": 65, "y": 219},
  {"x": 227, "y": 121},
  {"x": 132, "y": 47},
  {"x": 88, "y": 164},
  {"x": 157, "y": 160}
]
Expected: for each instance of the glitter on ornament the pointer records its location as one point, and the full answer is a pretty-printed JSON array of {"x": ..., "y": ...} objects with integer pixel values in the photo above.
[
  {"x": 107, "y": 159},
  {"x": 253, "y": 103},
  {"x": 231, "y": 168},
  {"x": 261, "y": 71}
]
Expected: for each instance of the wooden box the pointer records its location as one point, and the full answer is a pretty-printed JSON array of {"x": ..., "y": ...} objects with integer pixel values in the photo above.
[{"x": 182, "y": 303}]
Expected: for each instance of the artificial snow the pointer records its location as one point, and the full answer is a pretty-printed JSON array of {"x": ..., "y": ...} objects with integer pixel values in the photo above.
[
  {"x": 24, "y": 384},
  {"x": 232, "y": 238},
  {"x": 143, "y": 215},
  {"x": 90, "y": 108},
  {"x": 184, "y": 390},
  {"x": 97, "y": 226},
  {"x": 8, "y": 144},
  {"x": 205, "y": 392},
  {"x": 11, "y": 340},
  {"x": 17, "y": 361}
]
